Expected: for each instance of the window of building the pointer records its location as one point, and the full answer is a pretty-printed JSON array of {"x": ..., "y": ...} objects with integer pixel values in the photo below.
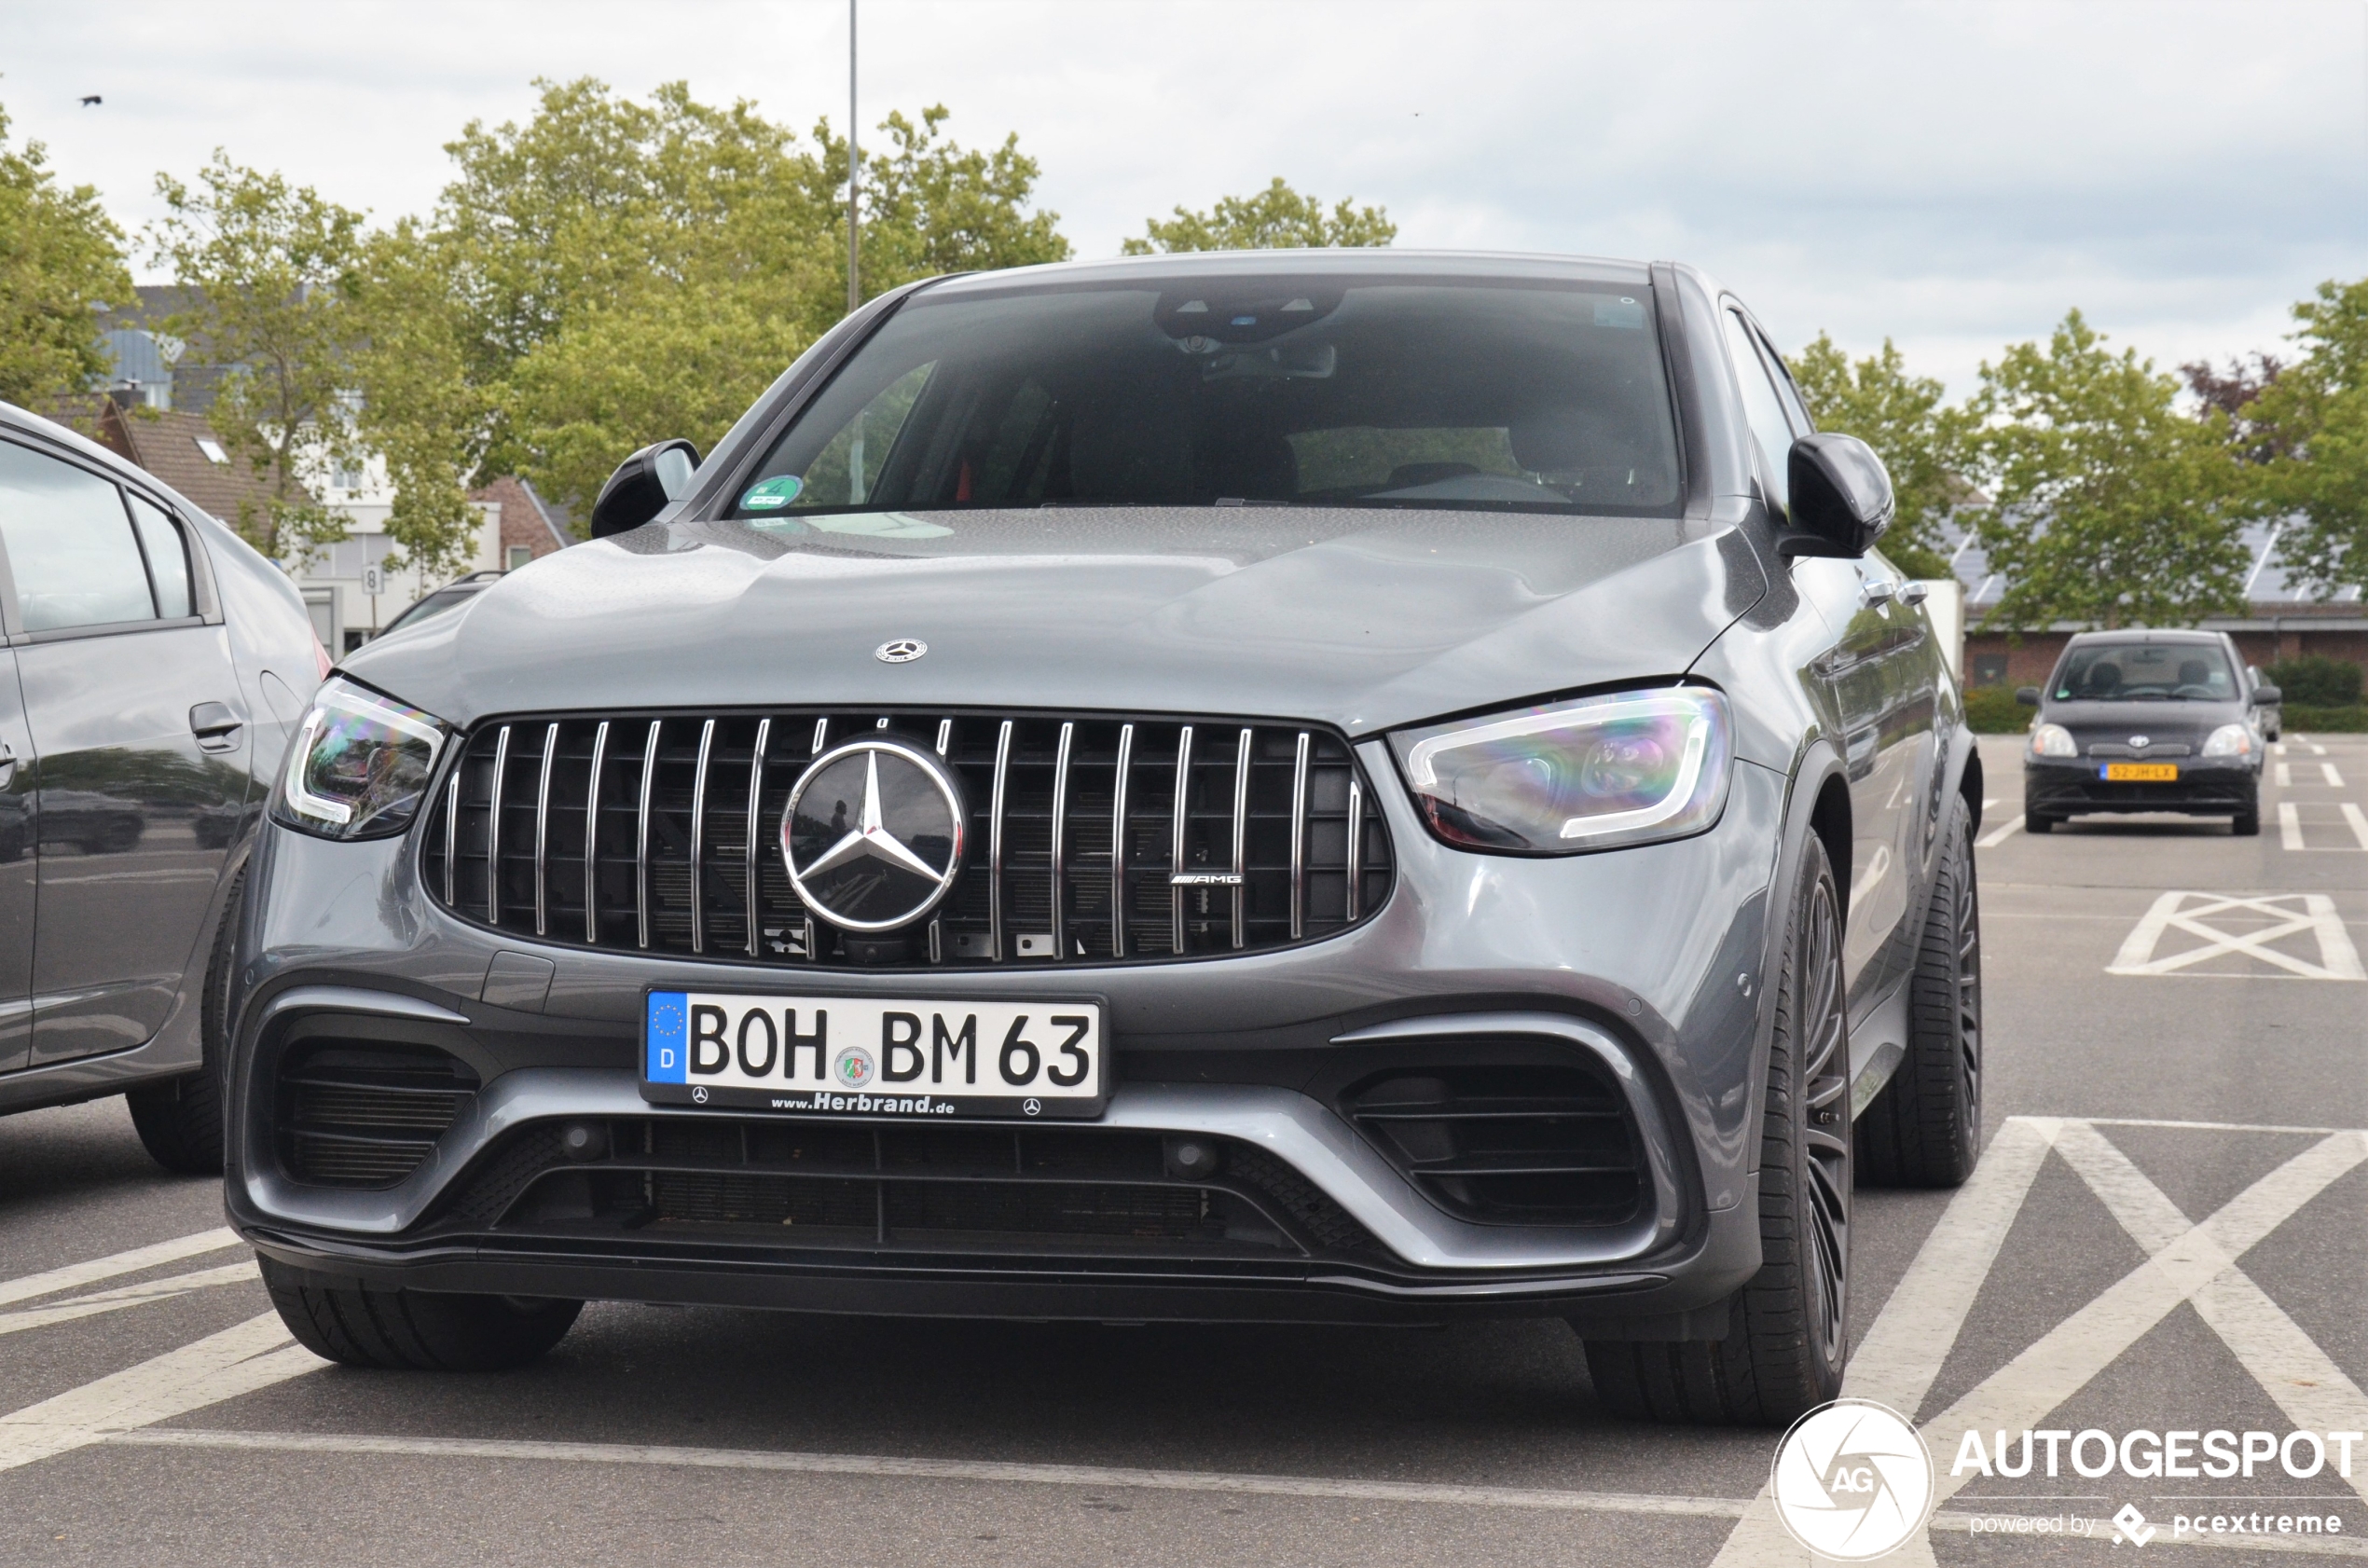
[
  {"x": 1989, "y": 669},
  {"x": 520, "y": 555},
  {"x": 212, "y": 449}
]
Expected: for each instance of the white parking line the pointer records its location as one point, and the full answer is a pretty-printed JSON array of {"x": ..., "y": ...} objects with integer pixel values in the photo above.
[
  {"x": 2332, "y": 776},
  {"x": 943, "y": 1470},
  {"x": 2317, "y": 750},
  {"x": 2289, "y": 826},
  {"x": 130, "y": 1262},
  {"x": 126, "y": 1296},
  {"x": 253, "y": 1355},
  {"x": 2012, "y": 826},
  {"x": 2337, "y": 958},
  {"x": 2359, "y": 823},
  {"x": 2285, "y": 776}
]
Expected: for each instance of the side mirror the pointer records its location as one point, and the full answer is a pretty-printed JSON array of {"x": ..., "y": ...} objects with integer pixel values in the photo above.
[
  {"x": 2268, "y": 696},
  {"x": 642, "y": 485},
  {"x": 1842, "y": 497},
  {"x": 2027, "y": 695}
]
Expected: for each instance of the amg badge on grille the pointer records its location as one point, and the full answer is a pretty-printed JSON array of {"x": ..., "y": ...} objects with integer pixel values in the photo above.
[{"x": 872, "y": 835}]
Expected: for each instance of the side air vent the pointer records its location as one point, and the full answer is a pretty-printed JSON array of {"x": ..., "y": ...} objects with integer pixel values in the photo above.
[
  {"x": 360, "y": 1114},
  {"x": 1534, "y": 1145},
  {"x": 1090, "y": 837}
]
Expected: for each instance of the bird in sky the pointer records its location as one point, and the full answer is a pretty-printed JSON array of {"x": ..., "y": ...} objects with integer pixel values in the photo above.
[{"x": 91, "y": 101}]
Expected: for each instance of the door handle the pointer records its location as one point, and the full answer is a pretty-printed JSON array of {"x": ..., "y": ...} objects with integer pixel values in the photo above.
[{"x": 217, "y": 725}]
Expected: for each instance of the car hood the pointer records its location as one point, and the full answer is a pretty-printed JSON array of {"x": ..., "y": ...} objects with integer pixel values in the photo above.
[
  {"x": 2184, "y": 722},
  {"x": 1361, "y": 619}
]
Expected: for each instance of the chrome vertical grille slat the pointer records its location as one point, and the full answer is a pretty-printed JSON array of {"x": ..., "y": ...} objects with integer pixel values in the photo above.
[
  {"x": 1211, "y": 849},
  {"x": 1176, "y": 855},
  {"x": 493, "y": 832},
  {"x": 641, "y": 832},
  {"x": 1118, "y": 839},
  {"x": 1060, "y": 842},
  {"x": 1299, "y": 838},
  {"x": 592, "y": 834},
  {"x": 754, "y": 833},
  {"x": 994, "y": 844},
  {"x": 1240, "y": 831},
  {"x": 698, "y": 839}
]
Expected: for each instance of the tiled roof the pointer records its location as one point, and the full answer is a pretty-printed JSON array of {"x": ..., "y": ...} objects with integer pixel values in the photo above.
[
  {"x": 166, "y": 445},
  {"x": 526, "y": 518},
  {"x": 2268, "y": 584}
]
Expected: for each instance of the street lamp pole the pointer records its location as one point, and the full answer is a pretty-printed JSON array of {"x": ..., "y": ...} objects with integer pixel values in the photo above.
[{"x": 854, "y": 169}]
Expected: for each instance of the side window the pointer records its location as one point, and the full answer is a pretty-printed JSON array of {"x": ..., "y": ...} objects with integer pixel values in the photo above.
[
  {"x": 1761, "y": 406},
  {"x": 70, "y": 544},
  {"x": 1794, "y": 410},
  {"x": 168, "y": 555}
]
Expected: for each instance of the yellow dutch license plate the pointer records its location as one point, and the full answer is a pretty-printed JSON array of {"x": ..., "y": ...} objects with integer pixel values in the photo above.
[{"x": 2141, "y": 773}]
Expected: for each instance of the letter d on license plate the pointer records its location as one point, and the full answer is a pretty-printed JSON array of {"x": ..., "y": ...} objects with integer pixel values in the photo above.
[{"x": 865, "y": 1056}]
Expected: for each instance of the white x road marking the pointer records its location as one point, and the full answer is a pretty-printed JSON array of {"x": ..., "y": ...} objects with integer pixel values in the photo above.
[
  {"x": 1912, "y": 1336},
  {"x": 2337, "y": 958}
]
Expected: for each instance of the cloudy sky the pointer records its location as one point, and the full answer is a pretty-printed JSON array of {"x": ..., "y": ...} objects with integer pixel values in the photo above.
[{"x": 1952, "y": 175}]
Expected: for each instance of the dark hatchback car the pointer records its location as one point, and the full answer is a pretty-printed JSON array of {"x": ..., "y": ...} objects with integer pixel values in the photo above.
[
  {"x": 154, "y": 668},
  {"x": 2146, "y": 721},
  {"x": 1301, "y": 786}
]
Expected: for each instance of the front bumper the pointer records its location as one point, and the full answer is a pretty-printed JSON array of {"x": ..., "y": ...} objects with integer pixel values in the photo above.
[
  {"x": 2206, "y": 786},
  {"x": 1627, "y": 962}
]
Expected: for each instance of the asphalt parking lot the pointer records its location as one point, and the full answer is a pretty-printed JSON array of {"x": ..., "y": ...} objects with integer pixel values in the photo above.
[{"x": 2168, "y": 1231}]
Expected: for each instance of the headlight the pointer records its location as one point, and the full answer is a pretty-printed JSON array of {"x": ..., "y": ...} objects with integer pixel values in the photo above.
[
  {"x": 2229, "y": 741},
  {"x": 1594, "y": 774},
  {"x": 359, "y": 765},
  {"x": 2053, "y": 740}
]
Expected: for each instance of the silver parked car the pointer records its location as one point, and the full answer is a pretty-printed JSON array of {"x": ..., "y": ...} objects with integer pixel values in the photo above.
[{"x": 1305, "y": 787}]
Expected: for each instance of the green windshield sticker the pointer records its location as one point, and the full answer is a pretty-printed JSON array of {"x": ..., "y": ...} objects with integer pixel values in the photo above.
[{"x": 773, "y": 494}]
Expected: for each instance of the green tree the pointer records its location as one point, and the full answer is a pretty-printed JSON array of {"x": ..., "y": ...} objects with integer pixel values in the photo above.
[
  {"x": 274, "y": 270},
  {"x": 2110, "y": 506},
  {"x": 618, "y": 272},
  {"x": 933, "y": 206},
  {"x": 1922, "y": 440},
  {"x": 422, "y": 413},
  {"x": 61, "y": 263},
  {"x": 1276, "y": 219},
  {"x": 2315, "y": 414}
]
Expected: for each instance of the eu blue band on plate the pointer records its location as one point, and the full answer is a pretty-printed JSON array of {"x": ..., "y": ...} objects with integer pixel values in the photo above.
[{"x": 669, "y": 1036}]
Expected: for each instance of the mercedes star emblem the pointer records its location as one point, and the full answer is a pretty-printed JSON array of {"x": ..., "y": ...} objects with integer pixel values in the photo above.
[
  {"x": 872, "y": 835},
  {"x": 899, "y": 651}
]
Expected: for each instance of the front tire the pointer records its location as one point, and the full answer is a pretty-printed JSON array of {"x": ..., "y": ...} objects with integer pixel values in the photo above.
[
  {"x": 180, "y": 1119},
  {"x": 415, "y": 1330},
  {"x": 2035, "y": 823},
  {"x": 1788, "y": 1329},
  {"x": 1924, "y": 1129}
]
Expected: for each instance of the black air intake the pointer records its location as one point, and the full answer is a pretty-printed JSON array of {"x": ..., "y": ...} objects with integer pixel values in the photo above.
[
  {"x": 1534, "y": 1145},
  {"x": 360, "y": 1114},
  {"x": 661, "y": 834}
]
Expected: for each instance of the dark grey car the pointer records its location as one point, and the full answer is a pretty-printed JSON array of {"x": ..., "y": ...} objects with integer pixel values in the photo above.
[
  {"x": 1291, "y": 787},
  {"x": 155, "y": 667},
  {"x": 2146, "y": 721}
]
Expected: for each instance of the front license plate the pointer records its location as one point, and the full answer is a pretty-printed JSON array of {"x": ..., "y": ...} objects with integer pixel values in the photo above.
[
  {"x": 2139, "y": 773},
  {"x": 850, "y": 1056}
]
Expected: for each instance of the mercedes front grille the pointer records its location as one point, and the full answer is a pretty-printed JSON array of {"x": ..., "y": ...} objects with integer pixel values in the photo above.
[{"x": 632, "y": 834}]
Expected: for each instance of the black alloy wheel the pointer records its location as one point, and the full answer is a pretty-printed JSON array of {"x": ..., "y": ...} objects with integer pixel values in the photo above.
[
  {"x": 1924, "y": 1129},
  {"x": 1788, "y": 1329}
]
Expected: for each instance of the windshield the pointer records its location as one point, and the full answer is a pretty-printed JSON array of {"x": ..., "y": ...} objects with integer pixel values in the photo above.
[
  {"x": 429, "y": 608},
  {"x": 2145, "y": 672},
  {"x": 1306, "y": 391}
]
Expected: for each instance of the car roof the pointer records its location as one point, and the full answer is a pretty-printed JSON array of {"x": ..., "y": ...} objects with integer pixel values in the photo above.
[
  {"x": 1376, "y": 261},
  {"x": 2143, "y": 634},
  {"x": 23, "y": 421}
]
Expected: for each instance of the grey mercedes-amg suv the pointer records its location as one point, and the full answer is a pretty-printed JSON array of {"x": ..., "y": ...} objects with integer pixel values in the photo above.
[{"x": 1368, "y": 788}]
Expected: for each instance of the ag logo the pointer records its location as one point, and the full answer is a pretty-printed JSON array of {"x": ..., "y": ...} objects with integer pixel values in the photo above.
[
  {"x": 1852, "y": 1480},
  {"x": 854, "y": 1067}
]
